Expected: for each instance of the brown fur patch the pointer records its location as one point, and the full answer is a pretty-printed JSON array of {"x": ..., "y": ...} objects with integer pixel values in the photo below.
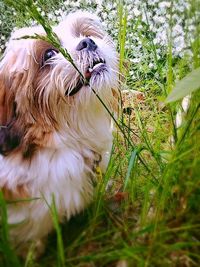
[
  {"x": 10, "y": 134},
  {"x": 2, "y": 100},
  {"x": 40, "y": 47},
  {"x": 27, "y": 118},
  {"x": 20, "y": 192},
  {"x": 36, "y": 137},
  {"x": 6, "y": 110}
]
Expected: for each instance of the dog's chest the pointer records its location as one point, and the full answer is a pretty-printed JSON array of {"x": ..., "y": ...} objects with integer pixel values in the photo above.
[
  {"x": 63, "y": 173},
  {"x": 60, "y": 174}
]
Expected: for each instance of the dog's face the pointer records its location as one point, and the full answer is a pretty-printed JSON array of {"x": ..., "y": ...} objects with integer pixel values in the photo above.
[{"x": 41, "y": 92}]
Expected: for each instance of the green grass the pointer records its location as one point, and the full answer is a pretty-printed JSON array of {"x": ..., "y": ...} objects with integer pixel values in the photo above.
[{"x": 146, "y": 206}]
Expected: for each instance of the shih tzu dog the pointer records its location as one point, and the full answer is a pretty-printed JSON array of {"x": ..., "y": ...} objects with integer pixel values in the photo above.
[{"x": 54, "y": 129}]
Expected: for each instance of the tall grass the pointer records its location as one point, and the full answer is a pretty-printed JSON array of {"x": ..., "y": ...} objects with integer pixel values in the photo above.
[
  {"x": 146, "y": 206},
  {"x": 9, "y": 258}
]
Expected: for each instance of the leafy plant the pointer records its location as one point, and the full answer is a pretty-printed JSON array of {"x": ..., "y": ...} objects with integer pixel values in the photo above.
[{"x": 186, "y": 86}]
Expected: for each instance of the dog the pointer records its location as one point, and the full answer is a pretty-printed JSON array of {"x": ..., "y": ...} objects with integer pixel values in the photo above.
[{"x": 54, "y": 130}]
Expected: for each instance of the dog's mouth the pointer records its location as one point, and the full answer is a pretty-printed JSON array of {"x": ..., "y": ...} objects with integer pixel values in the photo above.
[
  {"x": 97, "y": 67},
  {"x": 77, "y": 88}
]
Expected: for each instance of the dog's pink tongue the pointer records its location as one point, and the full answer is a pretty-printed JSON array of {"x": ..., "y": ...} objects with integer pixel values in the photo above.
[{"x": 87, "y": 75}]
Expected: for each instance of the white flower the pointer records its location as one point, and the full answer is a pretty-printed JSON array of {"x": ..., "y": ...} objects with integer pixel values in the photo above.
[
  {"x": 109, "y": 6},
  {"x": 66, "y": 3},
  {"x": 140, "y": 27},
  {"x": 131, "y": 35},
  {"x": 164, "y": 4},
  {"x": 76, "y": 4},
  {"x": 191, "y": 28},
  {"x": 129, "y": 17},
  {"x": 112, "y": 14},
  {"x": 115, "y": 5},
  {"x": 136, "y": 60},
  {"x": 177, "y": 28},
  {"x": 99, "y": 2},
  {"x": 151, "y": 65},
  {"x": 136, "y": 12},
  {"x": 50, "y": 16},
  {"x": 159, "y": 19},
  {"x": 180, "y": 8},
  {"x": 179, "y": 44},
  {"x": 57, "y": 12},
  {"x": 104, "y": 24}
]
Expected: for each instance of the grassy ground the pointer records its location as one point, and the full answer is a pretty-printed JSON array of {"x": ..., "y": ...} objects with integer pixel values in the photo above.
[{"x": 146, "y": 207}]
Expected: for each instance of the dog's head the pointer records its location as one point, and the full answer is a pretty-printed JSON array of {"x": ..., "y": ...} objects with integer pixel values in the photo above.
[{"x": 41, "y": 92}]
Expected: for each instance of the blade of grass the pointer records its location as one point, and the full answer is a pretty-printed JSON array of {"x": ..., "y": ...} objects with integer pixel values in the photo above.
[
  {"x": 60, "y": 246},
  {"x": 122, "y": 11},
  {"x": 132, "y": 161},
  {"x": 8, "y": 253}
]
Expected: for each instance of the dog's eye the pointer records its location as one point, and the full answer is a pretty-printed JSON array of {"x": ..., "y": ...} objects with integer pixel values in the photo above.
[{"x": 49, "y": 53}]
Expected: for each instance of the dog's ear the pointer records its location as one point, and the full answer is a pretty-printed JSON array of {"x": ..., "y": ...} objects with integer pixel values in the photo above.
[{"x": 9, "y": 129}]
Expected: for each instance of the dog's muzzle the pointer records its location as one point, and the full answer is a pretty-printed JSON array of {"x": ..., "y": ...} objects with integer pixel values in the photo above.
[{"x": 98, "y": 65}]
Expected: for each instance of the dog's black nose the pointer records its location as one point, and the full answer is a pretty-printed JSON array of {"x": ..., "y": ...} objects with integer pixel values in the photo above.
[{"x": 86, "y": 44}]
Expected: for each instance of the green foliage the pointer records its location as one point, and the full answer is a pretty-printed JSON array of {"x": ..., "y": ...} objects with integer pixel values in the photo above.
[
  {"x": 60, "y": 247},
  {"x": 9, "y": 257},
  {"x": 186, "y": 86}
]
